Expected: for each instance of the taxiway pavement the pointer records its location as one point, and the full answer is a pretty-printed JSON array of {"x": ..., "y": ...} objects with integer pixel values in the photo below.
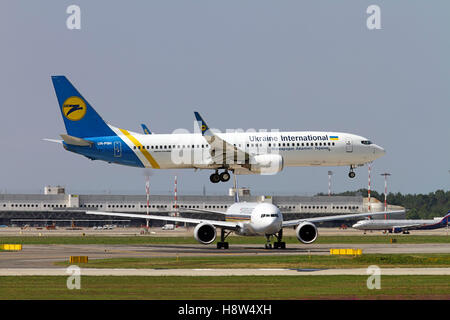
[{"x": 44, "y": 256}]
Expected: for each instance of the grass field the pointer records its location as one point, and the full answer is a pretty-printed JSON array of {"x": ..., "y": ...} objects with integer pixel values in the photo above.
[
  {"x": 279, "y": 261},
  {"x": 414, "y": 239},
  {"x": 213, "y": 288}
]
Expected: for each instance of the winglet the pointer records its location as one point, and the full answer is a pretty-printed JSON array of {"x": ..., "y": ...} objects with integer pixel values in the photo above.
[
  {"x": 146, "y": 131},
  {"x": 202, "y": 125}
]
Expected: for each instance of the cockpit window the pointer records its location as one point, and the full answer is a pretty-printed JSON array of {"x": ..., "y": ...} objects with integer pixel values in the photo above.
[
  {"x": 367, "y": 142},
  {"x": 269, "y": 215}
]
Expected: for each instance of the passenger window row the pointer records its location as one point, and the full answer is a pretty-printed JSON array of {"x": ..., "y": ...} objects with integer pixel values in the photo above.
[{"x": 249, "y": 145}]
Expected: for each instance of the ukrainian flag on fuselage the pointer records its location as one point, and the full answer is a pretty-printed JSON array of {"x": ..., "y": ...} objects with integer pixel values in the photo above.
[
  {"x": 80, "y": 119},
  {"x": 334, "y": 138}
]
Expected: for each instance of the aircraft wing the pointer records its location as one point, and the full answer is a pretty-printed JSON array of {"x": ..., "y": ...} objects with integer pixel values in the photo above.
[
  {"x": 216, "y": 223},
  {"x": 293, "y": 223},
  {"x": 221, "y": 151},
  {"x": 203, "y": 210}
]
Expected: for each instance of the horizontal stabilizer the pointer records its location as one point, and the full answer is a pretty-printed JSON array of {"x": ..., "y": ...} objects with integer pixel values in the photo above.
[
  {"x": 76, "y": 141},
  {"x": 52, "y": 140}
]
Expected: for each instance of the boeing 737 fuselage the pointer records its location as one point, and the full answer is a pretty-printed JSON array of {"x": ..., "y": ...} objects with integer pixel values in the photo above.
[{"x": 240, "y": 152}]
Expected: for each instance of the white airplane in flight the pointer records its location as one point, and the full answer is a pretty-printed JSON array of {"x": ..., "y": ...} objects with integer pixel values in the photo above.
[
  {"x": 249, "y": 219},
  {"x": 239, "y": 152},
  {"x": 403, "y": 225}
]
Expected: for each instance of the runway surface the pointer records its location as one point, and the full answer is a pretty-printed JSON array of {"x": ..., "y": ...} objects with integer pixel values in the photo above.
[
  {"x": 219, "y": 272},
  {"x": 44, "y": 256},
  {"x": 40, "y": 259}
]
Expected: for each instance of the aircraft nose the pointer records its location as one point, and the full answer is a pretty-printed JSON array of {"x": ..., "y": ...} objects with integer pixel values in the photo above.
[{"x": 378, "y": 151}]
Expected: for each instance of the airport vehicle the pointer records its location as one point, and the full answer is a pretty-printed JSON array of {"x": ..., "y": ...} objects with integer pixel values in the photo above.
[
  {"x": 397, "y": 226},
  {"x": 239, "y": 152},
  {"x": 168, "y": 227},
  {"x": 249, "y": 219}
]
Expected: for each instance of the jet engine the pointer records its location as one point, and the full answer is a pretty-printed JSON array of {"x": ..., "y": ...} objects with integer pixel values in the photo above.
[
  {"x": 306, "y": 232},
  {"x": 267, "y": 164},
  {"x": 205, "y": 233}
]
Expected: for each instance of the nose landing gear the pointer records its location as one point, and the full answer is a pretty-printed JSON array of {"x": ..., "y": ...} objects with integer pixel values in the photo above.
[
  {"x": 351, "y": 174},
  {"x": 278, "y": 244}
]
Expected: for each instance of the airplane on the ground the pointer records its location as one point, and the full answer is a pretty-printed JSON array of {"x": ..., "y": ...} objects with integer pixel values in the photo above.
[
  {"x": 404, "y": 225},
  {"x": 249, "y": 219},
  {"x": 239, "y": 152}
]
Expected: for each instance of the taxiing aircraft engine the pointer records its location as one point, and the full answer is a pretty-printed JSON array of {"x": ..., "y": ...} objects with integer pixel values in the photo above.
[
  {"x": 205, "y": 233},
  {"x": 267, "y": 164},
  {"x": 306, "y": 232}
]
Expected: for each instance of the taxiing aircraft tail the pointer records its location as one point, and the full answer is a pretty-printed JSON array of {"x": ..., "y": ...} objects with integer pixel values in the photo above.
[
  {"x": 446, "y": 219},
  {"x": 80, "y": 119}
]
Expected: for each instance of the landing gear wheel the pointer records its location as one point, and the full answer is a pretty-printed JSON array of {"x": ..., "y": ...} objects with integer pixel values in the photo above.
[
  {"x": 223, "y": 245},
  {"x": 224, "y": 176},
  {"x": 214, "y": 178},
  {"x": 351, "y": 174},
  {"x": 268, "y": 244},
  {"x": 279, "y": 245}
]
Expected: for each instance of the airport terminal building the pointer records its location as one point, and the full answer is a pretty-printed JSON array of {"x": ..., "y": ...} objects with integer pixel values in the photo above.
[{"x": 55, "y": 206}]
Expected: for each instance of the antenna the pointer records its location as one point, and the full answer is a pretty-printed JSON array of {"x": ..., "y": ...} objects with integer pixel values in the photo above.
[
  {"x": 236, "y": 192},
  {"x": 386, "y": 174},
  {"x": 175, "y": 198},
  {"x": 330, "y": 173},
  {"x": 368, "y": 186},
  {"x": 147, "y": 191}
]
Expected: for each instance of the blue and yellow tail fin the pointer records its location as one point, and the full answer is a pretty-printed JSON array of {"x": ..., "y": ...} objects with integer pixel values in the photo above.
[
  {"x": 204, "y": 129},
  {"x": 80, "y": 119},
  {"x": 146, "y": 131}
]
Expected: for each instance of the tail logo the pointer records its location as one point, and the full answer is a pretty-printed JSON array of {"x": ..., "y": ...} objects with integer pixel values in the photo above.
[{"x": 74, "y": 108}]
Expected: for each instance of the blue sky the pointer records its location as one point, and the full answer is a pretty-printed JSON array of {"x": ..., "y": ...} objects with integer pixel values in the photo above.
[{"x": 287, "y": 65}]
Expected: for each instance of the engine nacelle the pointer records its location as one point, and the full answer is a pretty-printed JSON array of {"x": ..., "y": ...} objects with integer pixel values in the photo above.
[
  {"x": 267, "y": 163},
  {"x": 306, "y": 232},
  {"x": 205, "y": 233}
]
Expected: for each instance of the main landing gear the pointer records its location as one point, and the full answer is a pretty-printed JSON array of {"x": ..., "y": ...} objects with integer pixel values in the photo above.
[
  {"x": 216, "y": 177},
  {"x": 222, "y": 244},
  {"x": 351, "y": 174},
  {"x": 278, "y": 244}
]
